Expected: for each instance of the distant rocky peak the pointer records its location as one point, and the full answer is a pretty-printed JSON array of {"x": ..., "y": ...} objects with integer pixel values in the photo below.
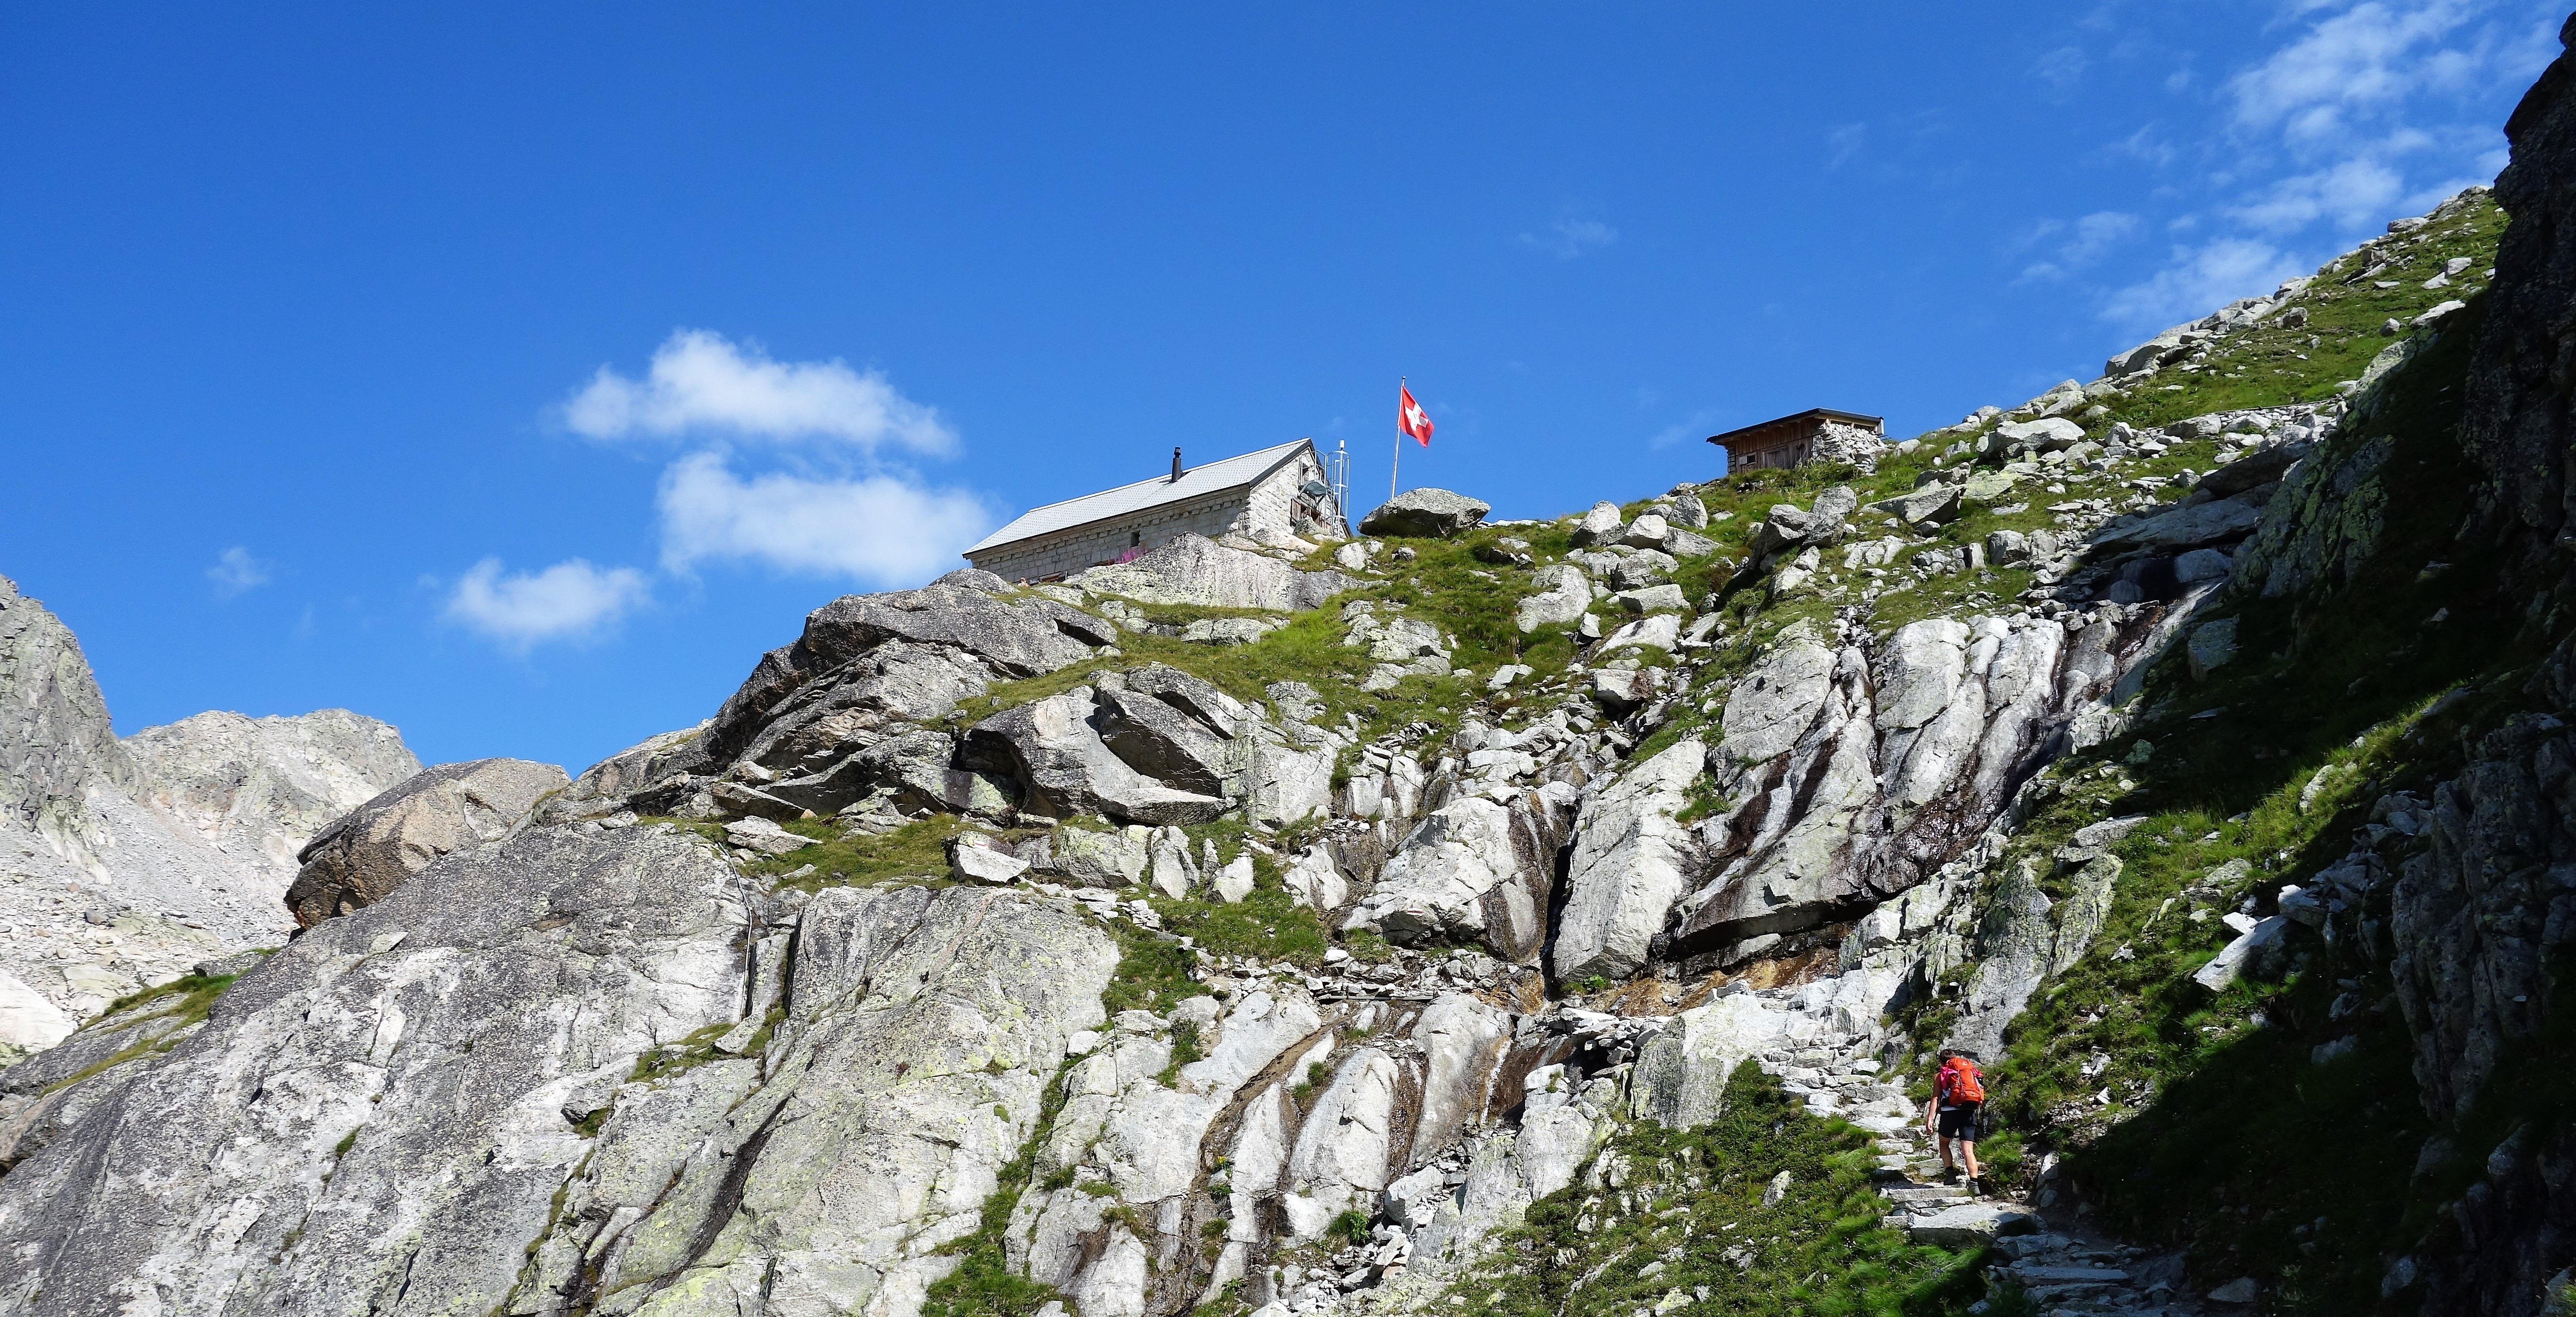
[
  {"x": 124, "y": 864},
  {"x": 269, "y": 782},
  {"x": 55, "y": 737}
]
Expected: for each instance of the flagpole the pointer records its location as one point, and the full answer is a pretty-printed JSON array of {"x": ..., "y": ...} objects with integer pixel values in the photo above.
[{"x": 1392, "y": 466}]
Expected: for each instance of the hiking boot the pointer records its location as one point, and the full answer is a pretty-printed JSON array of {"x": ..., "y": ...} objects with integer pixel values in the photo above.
[
  {"x": 1976, "y": 1186},
  {"x": 1949, "y": 1175}
]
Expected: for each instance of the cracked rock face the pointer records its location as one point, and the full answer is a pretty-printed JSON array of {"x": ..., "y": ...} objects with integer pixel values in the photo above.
[
  {"x": 2489, "y": 900},
  {"x": 434, "y": 1104},
  {"x": 54, "y": 729},
  {"x": 880, "y": 694},
  {"x": 1682, "y": 1074},
  {"x": 2321, "y": 526},
  {"x": 920, "y": 1030},
  {"x": 1850, "y": 776},
  {"x": 1167, "y": 739},
  {"x": 1165, "y": 1179},
  {"x": 912, "y": 769},
  {"x": 436, "y": 1036},
  {"x": 1477, "y": 870},
  {"x": 2186, "y": 527},
  {"x": 1627, "y": 867},
  {"x": 2478, "y": 913},
  {"x": 1064, "y": 767},
  {"x": 2025, "y": 938}
]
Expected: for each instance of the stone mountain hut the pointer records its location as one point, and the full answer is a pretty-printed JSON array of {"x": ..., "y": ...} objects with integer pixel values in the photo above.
[
  {"x": 1819, "y": 434},
  {"x": 1260, "y": 495}
]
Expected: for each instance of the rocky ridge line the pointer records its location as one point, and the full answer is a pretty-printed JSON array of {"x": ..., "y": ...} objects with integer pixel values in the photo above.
[{"x": 1734, "y": 794}]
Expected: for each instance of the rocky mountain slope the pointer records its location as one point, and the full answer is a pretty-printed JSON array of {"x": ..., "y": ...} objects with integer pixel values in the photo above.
[
  {"x": 124, "y": 863},
  {"x": 1538, "y": 917}
]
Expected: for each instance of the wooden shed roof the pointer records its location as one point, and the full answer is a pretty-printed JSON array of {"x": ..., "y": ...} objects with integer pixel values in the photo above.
[{"x": 1761, "y": 434}]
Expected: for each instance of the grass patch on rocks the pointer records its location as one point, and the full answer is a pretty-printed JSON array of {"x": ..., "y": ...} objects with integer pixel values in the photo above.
[
  {"x": 1268, "y": 923},
  {"x": 2273, "y": 362},
  {"x": 1153, "y": 972},
  {"x": 176, "y": 1006},
  {"x": 187, "y": 998},
  {"x": 680, "y": 1054},
  {"x": 1308, "y": 649},
  {"x": 916, "y": 851}
]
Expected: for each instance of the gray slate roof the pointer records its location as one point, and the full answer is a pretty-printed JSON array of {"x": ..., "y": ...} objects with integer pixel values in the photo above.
[{"x": 1208, "y": 478}]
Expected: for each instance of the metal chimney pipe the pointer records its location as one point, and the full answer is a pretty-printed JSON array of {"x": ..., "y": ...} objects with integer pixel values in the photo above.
[{"x": 1176, "y": 464}]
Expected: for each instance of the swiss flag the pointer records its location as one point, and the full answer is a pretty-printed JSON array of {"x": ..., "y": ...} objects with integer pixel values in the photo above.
[{"x": 1409, "y": 416}]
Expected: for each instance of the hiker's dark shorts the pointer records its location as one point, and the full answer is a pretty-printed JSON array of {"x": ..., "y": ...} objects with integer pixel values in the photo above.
[{"x": 1960, "y": 1122}]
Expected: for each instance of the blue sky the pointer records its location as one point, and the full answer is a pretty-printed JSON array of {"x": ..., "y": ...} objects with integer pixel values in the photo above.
[{"x": 517, "y": 376}]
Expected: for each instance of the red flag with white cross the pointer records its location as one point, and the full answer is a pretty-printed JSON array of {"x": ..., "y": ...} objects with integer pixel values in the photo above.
[{"x": 1409, "y": 416}]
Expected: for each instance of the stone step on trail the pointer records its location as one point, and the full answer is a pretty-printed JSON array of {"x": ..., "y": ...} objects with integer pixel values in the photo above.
[
  {"x": 1925, "y": 1193},
  {"x": 2036, "y": 1275}
]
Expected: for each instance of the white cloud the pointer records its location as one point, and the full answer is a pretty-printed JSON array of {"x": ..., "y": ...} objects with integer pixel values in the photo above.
[
  {"x": 2361, "y": 62},
  {"x": 569, "y": 600},
  {"x": 2339, "y": 129},
  {"x": 2148, "y": 144},
  {"x": 2060, "y": 68},
  {"x": 2092, "y": 237},
  {"x": 836, "y": 510},
  {"x": 2039, "y": 231},
  {"x": 880, "y": 529},
  {"x": 2201, "y": 279},
  {"x": 2097, "y": 233},
  {"x": 2351, "y": 194},
  {"x": 1845, "y": 141},
  {"x": 1571, "y": 238},
  {"x": 1691, "y": 427},
  {"x": 236, "y": 573},
  {"x": 700, "y": 381},
  {"x": 2371, "y": 60}
]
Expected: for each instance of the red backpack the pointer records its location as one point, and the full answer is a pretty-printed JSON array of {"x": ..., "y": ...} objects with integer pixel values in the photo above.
[{"x": 1962, "y": 1082}]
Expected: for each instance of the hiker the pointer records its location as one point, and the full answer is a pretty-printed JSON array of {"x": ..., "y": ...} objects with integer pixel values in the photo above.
[{"x": 1958, "y": 1097}]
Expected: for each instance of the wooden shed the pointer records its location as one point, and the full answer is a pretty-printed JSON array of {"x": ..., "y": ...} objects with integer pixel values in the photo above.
[{"x": 1819, "y": 434}]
